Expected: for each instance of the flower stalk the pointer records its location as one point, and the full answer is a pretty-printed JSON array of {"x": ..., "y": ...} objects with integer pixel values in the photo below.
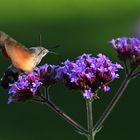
[
  {"x": 89, "y": 119},
  {"x": 61, "y": 113},
  {"x": 113, "y": 102},
  {"x": 65, "y": 116}
]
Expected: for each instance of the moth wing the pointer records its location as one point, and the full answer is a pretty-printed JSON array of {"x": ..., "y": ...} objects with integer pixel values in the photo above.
[{"x": 20, "y": 56}]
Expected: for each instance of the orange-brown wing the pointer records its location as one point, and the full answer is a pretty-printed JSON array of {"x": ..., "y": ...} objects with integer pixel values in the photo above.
[
  {"x": 20, "y": 56},
  {"x": 3, "y": 36}
]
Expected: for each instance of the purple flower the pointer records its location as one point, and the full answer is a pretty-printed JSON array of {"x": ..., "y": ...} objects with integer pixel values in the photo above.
[
  {"x": 127, "y": 49},
  {"x": 88, "y": 74},
  {"x": 88, "y": 94},
  {"x": 35, "y": 86},
  {"x": 104, "y": 88},
  {"x": 28, "y": 84}
]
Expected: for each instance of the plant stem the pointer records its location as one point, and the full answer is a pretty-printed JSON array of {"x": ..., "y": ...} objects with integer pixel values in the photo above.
[
  {"x": 90, "y": 137},
  {"x": 89, "y": 119},
  {"x": 112, "y": 103},
  {"x": 126, "y": 67},
  {"x": 56, "y": 109},
  {"x": 89, "y": 116},
  {"x": 46, "y": 92},
  {"x": 134, "y": 75},
  {"x": 46, "y": 100}
]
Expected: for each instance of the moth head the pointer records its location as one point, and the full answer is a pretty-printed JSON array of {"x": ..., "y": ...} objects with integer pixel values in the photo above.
[{"x": 39, "y": 51}]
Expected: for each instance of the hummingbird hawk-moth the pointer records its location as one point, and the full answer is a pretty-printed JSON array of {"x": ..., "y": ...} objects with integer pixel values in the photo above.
[{"x": 22, "y": 58}]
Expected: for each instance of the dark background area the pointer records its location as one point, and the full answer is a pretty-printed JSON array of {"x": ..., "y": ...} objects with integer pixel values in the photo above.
[{"x": 78, "y": 26}]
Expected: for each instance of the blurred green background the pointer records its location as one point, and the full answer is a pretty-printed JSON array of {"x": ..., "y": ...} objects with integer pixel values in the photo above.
[{"x": 78, "y": 26}]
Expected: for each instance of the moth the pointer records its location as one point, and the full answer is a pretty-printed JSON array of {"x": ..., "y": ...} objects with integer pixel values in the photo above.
[{"x": 22, "y": 58}]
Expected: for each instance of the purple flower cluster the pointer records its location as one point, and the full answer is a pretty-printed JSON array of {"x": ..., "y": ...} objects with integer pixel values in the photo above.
[
  {"x": 127, "y": 48},
  {"x": 88, "y": 74},
  {"x": 28, "y": 84}
]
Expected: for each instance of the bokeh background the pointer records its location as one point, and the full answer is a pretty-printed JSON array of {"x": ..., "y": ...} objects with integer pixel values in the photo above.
[{"x": 78, "y": 26}]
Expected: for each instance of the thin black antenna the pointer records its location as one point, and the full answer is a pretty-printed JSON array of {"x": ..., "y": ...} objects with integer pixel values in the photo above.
[
  {"x": 53, "y": 47},
  {"x": 53, "y": 53},
  {"x": 56, "y": 46},
  {"x": 57, "y": 54},
  {"x": 40, "y": 39}
]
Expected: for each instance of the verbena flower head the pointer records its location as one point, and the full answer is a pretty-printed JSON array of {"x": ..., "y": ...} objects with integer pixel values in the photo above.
[
  {"x": 127, "y": 48},
  {"x": 88, "y": 74},
  {"x": 28, "y": 84}
]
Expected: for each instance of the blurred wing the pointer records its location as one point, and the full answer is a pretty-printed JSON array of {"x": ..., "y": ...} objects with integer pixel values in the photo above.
[
  {"x": 10, "y": 76},
  {"x": 3, "y": 36},
  {"x": 20, "y": 56}
]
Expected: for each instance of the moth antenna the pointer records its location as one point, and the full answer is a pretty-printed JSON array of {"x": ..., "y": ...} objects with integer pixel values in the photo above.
[
  {"x": 41, "y": 44},
  {"x": 40, "y": 39},
  {"x": 53, "y": 47},
  {"x": 53, "y": 53},
  {"x": 57, "y": 54}
]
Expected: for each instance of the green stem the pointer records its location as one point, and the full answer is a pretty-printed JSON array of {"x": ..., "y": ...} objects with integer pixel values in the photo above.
[
  {"x": 112, "y": 104},
  {"x": 91, "y": 136},
  {"x": 62, "y": 114},
  {"x": 89, "y": 115},
  {"x": 134, "y": 75},
  {"x": 46, "y": 100},
  {"x": 46, "y": 92},
  {"x": 126, "y": 67}
]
